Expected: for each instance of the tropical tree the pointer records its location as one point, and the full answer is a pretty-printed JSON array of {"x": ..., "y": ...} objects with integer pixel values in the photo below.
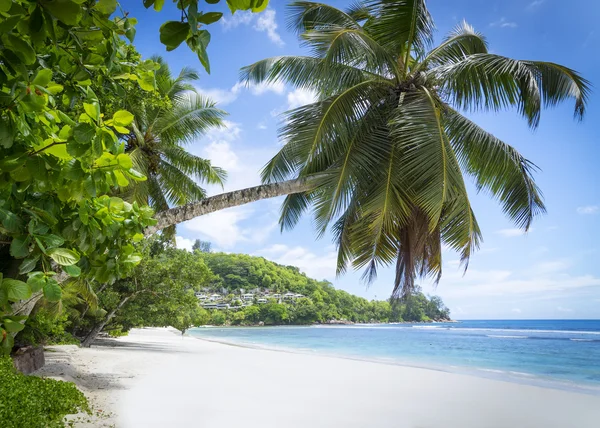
[
  {"x": 163, "y": 125},
  {"x": 386, "y": 145}
]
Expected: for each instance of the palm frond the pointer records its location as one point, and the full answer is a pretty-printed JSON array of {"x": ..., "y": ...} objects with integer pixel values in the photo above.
[
  {"x": 194, "y": 166},
  {"x": 179, "y": 189},
  {"x": 460, "y": 43},
  {"x": 306, "y": 16},
  {"x": 191, "y": 117},
  {"x": 497, "y": 168}
]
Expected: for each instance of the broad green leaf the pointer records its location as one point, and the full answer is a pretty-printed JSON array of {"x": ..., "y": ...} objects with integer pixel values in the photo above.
[
  {"x": 84, "y": 132},
  {"x": 173, "y": 33},
  {"x": 63, "y": 256},
  {"x": 7, "y": 344},
  {"x": 52, "y": 241},
  {"x": 5, "y": 5},
  {"x": 121, "y": 179},
  {"x": 16, "y": 290},
  {"x": 28, "y": 264},
  {"x": 210, "y": 17},
  {"x": 11, "y": 326},
  {"x": 147, "y": 80},
  {"x": 125, "y": 161},
  {"x": 158, "y": 5},
  {"x": 7, "y": 132},
  {"x": 19, "y": 247},
  {"x": 54, "y": 88},
  {"x": 52, "y": 291},
  {"x": 106, "y": 7},
  {"x": 138, "y": 237},
  {"x": 137, "y": 176},
  {"x": 93, "y": 110},
  {"x": 122, "y": 118},
  {"x": 36, "y": 281},
  {"x": 66, "y": 11},
  {"x": 21, "y": 48},
  {"x": 73, "y": 270},
  {"x": 10, "y": 221},
  {"x": 43, "y": 77}
]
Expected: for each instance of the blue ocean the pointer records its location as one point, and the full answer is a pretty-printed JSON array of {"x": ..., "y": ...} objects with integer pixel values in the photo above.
[{"x": 557, "y": 353}]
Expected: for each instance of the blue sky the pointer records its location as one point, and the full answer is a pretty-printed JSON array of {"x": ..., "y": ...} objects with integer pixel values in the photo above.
[{"x": 553, "y": 272}]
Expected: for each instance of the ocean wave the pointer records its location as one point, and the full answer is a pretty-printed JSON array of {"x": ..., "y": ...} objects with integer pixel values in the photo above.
[
  {"x": 507, "y": 337},
  {"x": 584, "y": 340},
  {"x": 427, "y": 326},
  {"x": 515, "y": 330}
]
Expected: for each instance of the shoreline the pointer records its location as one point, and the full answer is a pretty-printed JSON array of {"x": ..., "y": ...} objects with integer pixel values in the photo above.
[
  {"x": 518, "y": 378},
  {"x": 158, "y": 378}
]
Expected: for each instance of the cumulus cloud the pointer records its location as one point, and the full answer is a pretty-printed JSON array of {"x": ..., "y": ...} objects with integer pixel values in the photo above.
[
  {"x": 535, "y": 4},
  {"x": 264, "y": 22},
  {"x": 590, "y": 209},
  {"x": 183, "y": 243},
  {"x": 319, "y": 266},
  {"x": 300, "y": 97},
  {"x": 503, "y": 23},
  {"x": 226, "y": 96}
]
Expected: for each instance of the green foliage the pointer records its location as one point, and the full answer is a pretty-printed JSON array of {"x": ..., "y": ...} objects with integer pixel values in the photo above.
[
  {"x": 65, "y": 68},
  {"x": 30, "y": 401},
  {"x": 46, "y": 328},
  {"x": 241, "y": 273},
  {"x": 385, "y": 142}
]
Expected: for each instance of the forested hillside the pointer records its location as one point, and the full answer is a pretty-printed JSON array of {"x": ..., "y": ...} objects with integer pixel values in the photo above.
[{"x": 236, "y": 274}]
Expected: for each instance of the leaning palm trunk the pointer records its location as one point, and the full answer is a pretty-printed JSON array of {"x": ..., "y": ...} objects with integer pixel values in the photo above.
[
  {"x": 187, "y": 212},
  {"x": 91, "y": 336}
]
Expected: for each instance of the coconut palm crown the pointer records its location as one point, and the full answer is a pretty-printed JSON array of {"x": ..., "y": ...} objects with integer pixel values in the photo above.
[
  {"x": 159, "y": 133},
  {"x": 386, "y": 140}
]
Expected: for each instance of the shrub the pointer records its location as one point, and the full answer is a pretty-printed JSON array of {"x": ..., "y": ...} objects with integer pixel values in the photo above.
[
  {"x": 33, "y": 402},
  {"x": 46, "y": 328}
]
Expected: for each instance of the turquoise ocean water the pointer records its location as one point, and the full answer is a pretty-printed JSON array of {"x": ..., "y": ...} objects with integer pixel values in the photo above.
[{"x": 557, "y": 353}]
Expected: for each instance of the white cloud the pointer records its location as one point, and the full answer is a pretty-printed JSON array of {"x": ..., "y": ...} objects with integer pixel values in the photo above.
[
  {"x": 183, "y": 243},
  {"x": 226, "y": 228},
  {"x": 300, "y": 97},
  {"x": 503, "y": 23},
  {"x": 590, "y": 209},
  {"x": 264, "y": 22},
  {"x": 550, "y": 267},
  {"x": 227, "y": 96},
  {"x": 221, "y": 96},
  {"x": 516, "y": 310},
  {"x": 237, "y": 19},
  {"x": 511, "y": 233},
  {"x": 262, "y": 126},
  {"x": 318, "y": 266},
  {"x": 535, "y": 4},
  {"x": 561, "y": 309}
]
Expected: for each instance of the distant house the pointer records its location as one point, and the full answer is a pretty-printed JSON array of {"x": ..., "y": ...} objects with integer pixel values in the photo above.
[
  {"x": 215, "y": 297},
  {"x": 210, "y": 306},
  {"x": 201, "y": 296},
  {"x": 276, "y": 296},
  {"x": 248, "y": 296},
  {"x": 289, "y": 296},
  {"x": 223, "y": 306},
  {"x": 262, "y": 301}
]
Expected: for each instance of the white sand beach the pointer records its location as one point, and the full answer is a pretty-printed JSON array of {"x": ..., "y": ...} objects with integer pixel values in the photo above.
[{"x": 155, "y": 378}]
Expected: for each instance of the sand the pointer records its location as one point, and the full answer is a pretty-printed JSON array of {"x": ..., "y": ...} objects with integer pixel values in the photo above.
[{"x": 156, "y": 378}]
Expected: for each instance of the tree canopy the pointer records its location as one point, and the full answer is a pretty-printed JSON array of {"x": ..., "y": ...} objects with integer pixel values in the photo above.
[{"x": 387, "y": 143}]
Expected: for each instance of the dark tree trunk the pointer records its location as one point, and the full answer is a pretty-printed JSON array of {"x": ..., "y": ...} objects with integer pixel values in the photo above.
[{"x": 89, "y": 339}]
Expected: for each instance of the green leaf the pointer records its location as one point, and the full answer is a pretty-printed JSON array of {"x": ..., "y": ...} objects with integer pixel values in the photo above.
[
  {"x": 210, "y": 17},
  {"x": 173, "y": 33},
  {"x": 43, "y": 77},
  {"x": 125, "y": 161},
  {"x": 19, "y": 247},
  {"x": 36, "y": 281},
  {"x": 147, "y": 80},
  {"x": 66, "y": 11},
  {"x": 16, "y": 290},
  {"x": 7, "y": 132},
  {"x": 137, "y": 176},
  {"x": 106, "y": 7},
  {"x": 52, "y": 291},
  {"x": 28, "y": 264},
  {"x": 12, "y": 327},
  {"x": 20, "y": 47},
  {"x": 122, "y": 118},
  {"x": 5, "y": 5},
  {"x": 7, "y": 344},
  {"x": 84, "y": 132},
  {"x": 93, "y": 110},
  {"x": 10, "y": 221},
  {"x": 63, "y": 256},
  {"x": 52, "y": 241},
  {"x": 158, "y": 5},
  {"x": 73, "y": 270}
]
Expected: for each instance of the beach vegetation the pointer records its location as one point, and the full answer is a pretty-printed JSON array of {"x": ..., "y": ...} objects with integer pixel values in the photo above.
[{"x": 30, "y": 401}]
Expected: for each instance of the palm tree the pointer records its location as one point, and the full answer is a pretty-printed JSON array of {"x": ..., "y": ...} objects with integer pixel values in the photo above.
[
  {"x": 386, "y": 145},
  {"x": 159, "y": 134}
]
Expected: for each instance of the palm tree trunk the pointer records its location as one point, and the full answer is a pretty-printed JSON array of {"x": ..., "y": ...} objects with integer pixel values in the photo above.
[
  {"x": 87, "y": 342},
  {"x": 187, "y": 212}
]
